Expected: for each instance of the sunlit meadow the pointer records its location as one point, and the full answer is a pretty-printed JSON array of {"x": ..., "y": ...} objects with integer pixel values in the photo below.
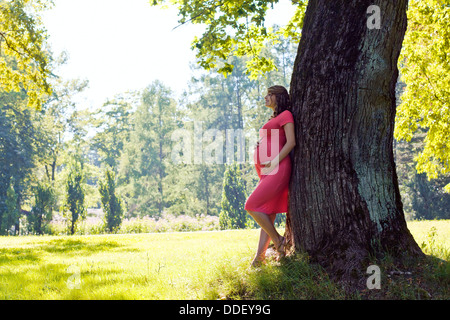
[{"x": 186, "y": 265}]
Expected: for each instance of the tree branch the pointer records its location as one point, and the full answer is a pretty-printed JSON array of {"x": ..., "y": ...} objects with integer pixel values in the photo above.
[{"x": 201, "y": 13}]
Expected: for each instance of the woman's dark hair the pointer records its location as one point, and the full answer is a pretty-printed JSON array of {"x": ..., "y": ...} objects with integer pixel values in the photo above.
[{"x": 282, "y": 98}]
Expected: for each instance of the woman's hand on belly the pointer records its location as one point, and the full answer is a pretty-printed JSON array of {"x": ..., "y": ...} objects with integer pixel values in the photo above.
[{"x": 268, "y": 167}]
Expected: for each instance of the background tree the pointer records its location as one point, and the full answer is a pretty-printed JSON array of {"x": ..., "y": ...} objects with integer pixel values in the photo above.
[
  {"x": 24, "y": 58},
  {"x": 144, "y": 159},
  {"x": 75, "y": 197},
  {"x": 111, "y": 122},
  {"x": 9, "y": 223},
  {"x": 233, "y": 215},
  {"x": 42, "y": 210},
  {"x": 77, "y": 149},
  {"x": 111, "y": 203},
  {"x": 54, "y": 121},
  {"x": 430, "y": 201},
  {"x": 19, "y": 135},
  {"x": 422, "y": 198},
  {"x": 425, "y": 69}
]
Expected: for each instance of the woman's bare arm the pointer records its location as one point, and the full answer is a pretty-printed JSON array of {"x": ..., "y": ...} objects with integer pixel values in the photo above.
[
  {"x": 290, "y": 141},
  {"x": 289, "y": 145}
]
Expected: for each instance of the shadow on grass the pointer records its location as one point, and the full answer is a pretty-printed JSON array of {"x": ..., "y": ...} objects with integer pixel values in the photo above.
[
  {"x": 66, "y": 247},
  {"x": 74, "y": 246},
  {"x": 422, "y": 278},
  {"x": 39, "y": 270},
  {"x": 60, "y": 281},
  {"x": 18, "y": 256},
  {"x": 293, "y": 278},
  {"x": 296, "y": 278}
]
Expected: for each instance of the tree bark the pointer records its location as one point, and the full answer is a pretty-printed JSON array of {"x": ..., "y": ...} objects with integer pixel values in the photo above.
[{"x": 345, "y": 202}]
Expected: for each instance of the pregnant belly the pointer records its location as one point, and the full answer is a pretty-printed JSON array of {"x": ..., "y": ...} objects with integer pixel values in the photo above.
[{"x": 263, "y": 152}]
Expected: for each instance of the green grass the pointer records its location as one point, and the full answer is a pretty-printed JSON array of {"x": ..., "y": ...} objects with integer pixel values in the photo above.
[
  {"x": 426, "y": 230},
  {"x": 193, "y": 265}
]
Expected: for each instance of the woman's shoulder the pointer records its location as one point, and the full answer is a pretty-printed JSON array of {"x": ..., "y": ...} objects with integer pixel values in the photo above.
[
  {"x": 286, "y": 112},
  {"x": 285, "y": 117}
]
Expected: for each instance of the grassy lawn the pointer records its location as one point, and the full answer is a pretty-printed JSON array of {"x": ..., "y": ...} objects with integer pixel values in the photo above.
[
  {"x": 139, "y": 266},
  {"x": 191, "y": 265}
]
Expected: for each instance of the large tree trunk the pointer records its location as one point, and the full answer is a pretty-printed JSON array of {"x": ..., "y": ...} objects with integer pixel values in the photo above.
[{"x": 344, "y": 201}]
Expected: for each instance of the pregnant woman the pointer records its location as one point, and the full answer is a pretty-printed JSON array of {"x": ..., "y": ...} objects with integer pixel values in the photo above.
[{"x": 273, "y": 165}]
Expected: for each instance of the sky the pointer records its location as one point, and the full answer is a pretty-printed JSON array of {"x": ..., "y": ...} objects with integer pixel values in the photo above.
[{"x": 120, "y": 45}]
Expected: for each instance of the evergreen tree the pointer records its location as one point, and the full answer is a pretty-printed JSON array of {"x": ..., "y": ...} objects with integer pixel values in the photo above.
[
  {"x": 11, "y": 216},
  {"x": 75, "y": 197},
  {"x": 233, "y": 215},
  {"x": 112, "y": 205},
  {"x": 41, "y": 212}
]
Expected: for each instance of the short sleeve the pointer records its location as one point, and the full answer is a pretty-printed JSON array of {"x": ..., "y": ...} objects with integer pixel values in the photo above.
[{"x": 286, "y": 117}]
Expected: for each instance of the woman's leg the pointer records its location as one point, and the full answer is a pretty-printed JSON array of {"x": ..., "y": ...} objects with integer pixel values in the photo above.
[
  {"x": 266, "y": 223},
  {"x": 264, "y": 241}
]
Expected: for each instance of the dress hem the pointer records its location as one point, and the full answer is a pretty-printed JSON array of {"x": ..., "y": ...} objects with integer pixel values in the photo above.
[{"x": 258, "y": 210}]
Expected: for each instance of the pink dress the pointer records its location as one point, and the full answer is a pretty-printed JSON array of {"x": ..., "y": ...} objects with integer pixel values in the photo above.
[{"x": 271, "y": 193}]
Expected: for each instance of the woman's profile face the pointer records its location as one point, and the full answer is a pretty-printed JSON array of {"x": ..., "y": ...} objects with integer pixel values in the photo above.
[{"x": 270, "y": 100}]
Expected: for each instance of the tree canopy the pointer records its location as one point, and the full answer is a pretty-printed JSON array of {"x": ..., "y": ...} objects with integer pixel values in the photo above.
[
  {"x": 24, "y": 57},
  {"x": 425, "y": 69},
  {"x": 236, "y": 28}
]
